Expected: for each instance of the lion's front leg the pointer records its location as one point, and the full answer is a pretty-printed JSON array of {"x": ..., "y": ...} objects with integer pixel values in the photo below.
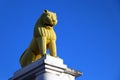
[
  {"x": 52, "y": 47},
  {"x": 41, "y": 41}
]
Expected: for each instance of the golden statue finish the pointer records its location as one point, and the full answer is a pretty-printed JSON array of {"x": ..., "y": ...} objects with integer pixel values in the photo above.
[{"x": 44, "y": 38}]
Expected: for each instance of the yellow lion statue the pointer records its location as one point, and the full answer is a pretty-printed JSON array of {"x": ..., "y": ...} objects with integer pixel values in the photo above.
[{"x": 44, "y": 38}]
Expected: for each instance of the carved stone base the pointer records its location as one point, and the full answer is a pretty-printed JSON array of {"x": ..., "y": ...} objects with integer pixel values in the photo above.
[{"x": 47, "y": 68}]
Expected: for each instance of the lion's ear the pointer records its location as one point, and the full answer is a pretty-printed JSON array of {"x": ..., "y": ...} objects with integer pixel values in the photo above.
[{"x": 45, "y": 11}]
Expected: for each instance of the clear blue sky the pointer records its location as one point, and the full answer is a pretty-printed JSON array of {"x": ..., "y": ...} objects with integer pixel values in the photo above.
[{"x": 88, "y": 35}]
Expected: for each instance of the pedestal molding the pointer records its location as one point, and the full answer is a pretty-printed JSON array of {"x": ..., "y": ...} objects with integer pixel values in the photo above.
[{"x": 45, "y": 67}]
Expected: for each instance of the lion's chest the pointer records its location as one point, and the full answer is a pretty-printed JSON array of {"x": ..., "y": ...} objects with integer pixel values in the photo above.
[{"x": 47, "y": 32}]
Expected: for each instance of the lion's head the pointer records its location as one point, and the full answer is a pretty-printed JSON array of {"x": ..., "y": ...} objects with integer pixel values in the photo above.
[{"x": 48, "y": 18}]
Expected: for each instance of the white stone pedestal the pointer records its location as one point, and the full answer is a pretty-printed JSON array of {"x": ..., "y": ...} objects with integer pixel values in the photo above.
[{"x": 47, "y": 68}]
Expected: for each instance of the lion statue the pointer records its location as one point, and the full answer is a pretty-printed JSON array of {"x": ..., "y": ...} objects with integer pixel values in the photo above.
[{"x": 44, "y": 38}]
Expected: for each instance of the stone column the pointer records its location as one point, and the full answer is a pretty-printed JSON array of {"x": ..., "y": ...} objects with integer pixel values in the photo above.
[{"x": 47, "y": 68}]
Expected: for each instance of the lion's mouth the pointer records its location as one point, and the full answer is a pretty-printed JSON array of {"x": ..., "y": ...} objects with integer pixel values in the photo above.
[{"x": 48, "y": 25}]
